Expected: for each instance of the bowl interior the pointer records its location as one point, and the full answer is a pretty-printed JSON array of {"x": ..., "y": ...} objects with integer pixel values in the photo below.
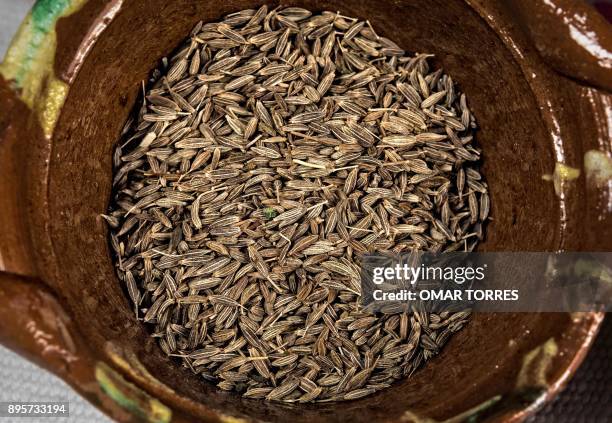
[{"x": 476, "y": 364}]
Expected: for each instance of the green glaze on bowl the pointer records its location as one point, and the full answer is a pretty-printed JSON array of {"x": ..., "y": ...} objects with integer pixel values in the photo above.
[
  {"x": 29, "y": 60},
  {"x": 130, "y": 397}
]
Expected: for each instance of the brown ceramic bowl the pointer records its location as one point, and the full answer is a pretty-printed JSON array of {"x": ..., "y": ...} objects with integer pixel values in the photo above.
[{"x": 538, "y": 76}]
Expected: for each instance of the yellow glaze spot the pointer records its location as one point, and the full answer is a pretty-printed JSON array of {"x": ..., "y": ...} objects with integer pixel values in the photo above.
[
  {"x": 230, "y": 419},
  {"x": 561, "y": 175},
  {"x": 50, "y": 105},
  {"x": 130, "y": 397},
  {"x": 597, "y": 167},
  {"x": 585, "y": 268},
  {"x": 536, "y": 364},
  {"x": 410, "y": 417},
  {"x": 128, "y": 362},
  {"x": 28, "y": 63}
]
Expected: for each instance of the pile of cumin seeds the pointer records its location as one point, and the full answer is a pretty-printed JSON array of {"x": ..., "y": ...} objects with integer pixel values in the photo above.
[{"x": 270, "y": 153}]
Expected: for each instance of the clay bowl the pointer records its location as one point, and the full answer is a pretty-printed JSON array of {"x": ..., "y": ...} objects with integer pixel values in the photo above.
[{"x": 73, "y": 75}]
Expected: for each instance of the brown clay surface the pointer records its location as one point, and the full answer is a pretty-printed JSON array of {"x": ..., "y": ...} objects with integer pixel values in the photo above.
[{"x": 528, "y": 121}]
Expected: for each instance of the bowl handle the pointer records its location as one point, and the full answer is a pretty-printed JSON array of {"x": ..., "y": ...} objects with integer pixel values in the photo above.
[
  {"x": 32, "y": 321},
  {"x": 571, "y": 36},
  {"x": 34, "y": 324}
]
